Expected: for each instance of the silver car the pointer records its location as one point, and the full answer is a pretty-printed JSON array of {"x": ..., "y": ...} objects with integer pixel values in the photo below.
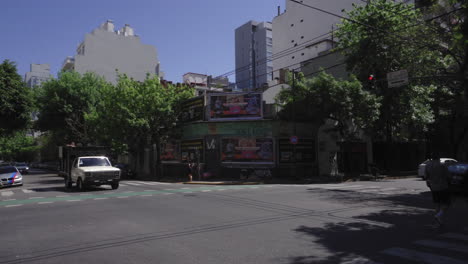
[
  {"x": 422, "y": 166},
  {"x": 10, "y": 176}
]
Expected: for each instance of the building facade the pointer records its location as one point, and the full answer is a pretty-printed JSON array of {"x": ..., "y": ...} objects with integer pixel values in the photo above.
[
  {"x": 39, "y": 73},
  {"x": 254, "y": 47},
  {"x": 105, "y": 51},
  {"x": 302, "y": 33}
]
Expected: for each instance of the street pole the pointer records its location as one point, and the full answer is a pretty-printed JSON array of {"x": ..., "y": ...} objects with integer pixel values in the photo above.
[{"x": 293, "y": 88}]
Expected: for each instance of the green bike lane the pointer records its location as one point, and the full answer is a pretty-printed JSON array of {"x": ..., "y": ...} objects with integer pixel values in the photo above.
[{"x": 126, "y": 194}]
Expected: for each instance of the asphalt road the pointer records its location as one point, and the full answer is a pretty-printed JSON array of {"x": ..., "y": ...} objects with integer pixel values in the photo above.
[{"x": 151, "y": 222}]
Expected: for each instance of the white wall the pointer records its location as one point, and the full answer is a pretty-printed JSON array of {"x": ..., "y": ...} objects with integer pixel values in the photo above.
[
  {"x": 303, "y": 25},
  {"x": 105, "y": 51}
]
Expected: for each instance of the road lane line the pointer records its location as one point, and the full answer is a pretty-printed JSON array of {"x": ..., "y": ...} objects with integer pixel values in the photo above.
[
  {"x": 206, "y": 190},
  {"x": 28, "y": 191},
  {"x": 9, "y": 200},
  {"x": 443, "y": 245},
  {"x": 44, "y": 202},
  {"x": 146, "y": 195},
  {"x": 123, "y": 197},
  {"x": 101, "y": 198},
  {"x": 455, "y": 236},
  {"x": 73, "y": 200},
  {"x": 7, "y": 193},
  {"x": 420, "y": 256},
  {"x": 167, "y": 193},
  {"x": 132, "y": 183},
  {"x": 61, "y": 196},
  {"x": 36, "y": 198},
  {"x": 13, "y": 205}
]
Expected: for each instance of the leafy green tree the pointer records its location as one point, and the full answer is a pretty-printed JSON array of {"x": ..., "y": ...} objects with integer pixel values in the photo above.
[
  {"x": 449, "y": 23},
  {"x": 133, "y": 114},
  {"x": 17, "y": 146},
  {"x": 323, "y": 98},
  {"x": 15, "y": 100},
  {"x": 385, "y": 36},
  {"x": 65, "y": 104}
]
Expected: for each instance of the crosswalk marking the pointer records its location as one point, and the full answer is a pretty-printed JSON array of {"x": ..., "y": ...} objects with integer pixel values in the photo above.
[
  {"x": 421, "y": 256},
  {"x": 7, "y": 193},
  {"x": 443, "y": 245},
  {"x": 455, "y": 236},
  {"x": 133, "y": 183}
]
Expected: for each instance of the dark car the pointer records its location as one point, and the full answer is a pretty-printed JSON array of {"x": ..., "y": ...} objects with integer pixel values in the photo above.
[
  {"x": 126, "y": 172},
  {"x": 22, "y": 167},
  {"x": 458, "y": 178}
]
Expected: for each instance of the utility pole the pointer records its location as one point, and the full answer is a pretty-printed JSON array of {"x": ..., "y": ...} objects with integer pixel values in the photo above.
[{"x": 293, "y": 89}]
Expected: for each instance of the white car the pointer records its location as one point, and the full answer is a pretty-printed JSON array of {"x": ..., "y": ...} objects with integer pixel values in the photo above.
[
  {"x": 10, "y": 176},
  {"x": 422, "y": 166}
]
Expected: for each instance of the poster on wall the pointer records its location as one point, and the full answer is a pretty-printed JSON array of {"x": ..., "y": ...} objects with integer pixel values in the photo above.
[
  {"x": 303, "y": 151},
  {"x": 170, "y": 151},
  {"x": 192, "y": 109},
  {"x": 192, "y": 150},
  {"x": 235, "y": 106},
  {"x": 247, "y": 149}
]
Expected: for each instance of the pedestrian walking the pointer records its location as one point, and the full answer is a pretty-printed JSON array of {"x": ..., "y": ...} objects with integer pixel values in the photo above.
[
  {"x": 189, "y": 170},
  {"x": 437, "y": 181}
]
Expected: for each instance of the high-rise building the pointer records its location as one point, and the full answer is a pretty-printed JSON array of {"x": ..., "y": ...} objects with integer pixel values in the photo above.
[
  {"x": 105, "y": 51},
  {"x": 303, "y": 33},
  {"x": 253, "y": 50},
  {"x": 39, "y": 73}
]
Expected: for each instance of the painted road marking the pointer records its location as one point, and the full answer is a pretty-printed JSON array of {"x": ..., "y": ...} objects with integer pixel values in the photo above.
[
  {"x": 206, "y": 190},
  {"x": 455, "y": 236},
  {"x": 421, "y": 256},
  {"x": 101, "y": 198},
  {"x": 45, "y": 202},
  {"x": 167, "y": 193},
  {"x": 123, "y": 197},
  {"x": 7, "y": 193},
  {"x": 10, "y": 200},
  {"x": 443, "y": 245},
  {"x": 62, "y": 196},
  {"x": 73, "y": 200},
  {"x": 132, "y": 183},
  {"x": 146, "y": 195},
  {"x": 28, "y": 191},
  {"x": 36, "y": 198},
  {"x": 13, "y": 205}
]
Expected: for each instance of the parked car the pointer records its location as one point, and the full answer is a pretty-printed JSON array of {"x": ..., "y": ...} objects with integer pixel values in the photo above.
[
  {"x": 458, "y": 177},
  {"x": 126, "y": 172},
  {"x": 422, "y": 166},
  {"x": 22, "y": 167},
  {"x": 10, "y": 176}
]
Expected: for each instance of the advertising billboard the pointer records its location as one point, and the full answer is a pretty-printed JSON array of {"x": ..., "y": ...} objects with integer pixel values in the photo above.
[
  {"x": 235, "y": 106},
  {"x": 192, "y": 150},
  {"x": 170, "y": 151},
  {"x": 192, "y": 109},
  {"x": 247, "y": 149}
]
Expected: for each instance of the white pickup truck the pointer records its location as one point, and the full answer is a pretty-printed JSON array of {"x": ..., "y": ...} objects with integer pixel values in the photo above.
[{"x": 92, "y": 170}]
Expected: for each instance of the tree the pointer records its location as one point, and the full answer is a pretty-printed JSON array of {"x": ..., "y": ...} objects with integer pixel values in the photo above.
[
  {"x": 385, "y": 36},
  {"x": 65, "y": 103},
  {"x": 323, "y": 98},
  {"x": 15, "y": 100},
  {"x": 134, "y": 114},
  {"x": 449, "y": 23},
  {"x": 18, "y": 146}
]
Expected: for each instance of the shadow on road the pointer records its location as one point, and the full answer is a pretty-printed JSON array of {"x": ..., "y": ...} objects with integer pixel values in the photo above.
[{"x": 399, "y": 219}]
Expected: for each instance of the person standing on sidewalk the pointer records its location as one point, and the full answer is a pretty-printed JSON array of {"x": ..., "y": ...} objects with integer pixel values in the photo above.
[{"x": 437, "y": 181}]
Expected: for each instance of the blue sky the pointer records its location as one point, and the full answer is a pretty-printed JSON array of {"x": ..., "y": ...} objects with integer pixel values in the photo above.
[{"x": 190, "y": 35}]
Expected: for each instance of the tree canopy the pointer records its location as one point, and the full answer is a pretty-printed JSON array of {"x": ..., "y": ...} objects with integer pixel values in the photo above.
[
  {"x": 15, "y": 101},
  {"x": 323, "y": 98}
]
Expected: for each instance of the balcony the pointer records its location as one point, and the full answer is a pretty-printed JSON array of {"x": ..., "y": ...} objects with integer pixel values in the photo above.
[{"x": 68, "y": 64}]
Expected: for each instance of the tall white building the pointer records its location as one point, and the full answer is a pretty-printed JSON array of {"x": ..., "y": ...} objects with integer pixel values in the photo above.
[
  {"x": 302, "y": 33},
  {"x": 105, "y": 50},
  {"x": 39, "y": 73},
  {"x": 253, "y": 50}
]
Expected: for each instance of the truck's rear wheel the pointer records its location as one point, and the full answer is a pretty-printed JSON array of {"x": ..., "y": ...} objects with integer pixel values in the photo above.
[
  {"x": 80, "y": 185},
  {"x": 115, "y": 186}
]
